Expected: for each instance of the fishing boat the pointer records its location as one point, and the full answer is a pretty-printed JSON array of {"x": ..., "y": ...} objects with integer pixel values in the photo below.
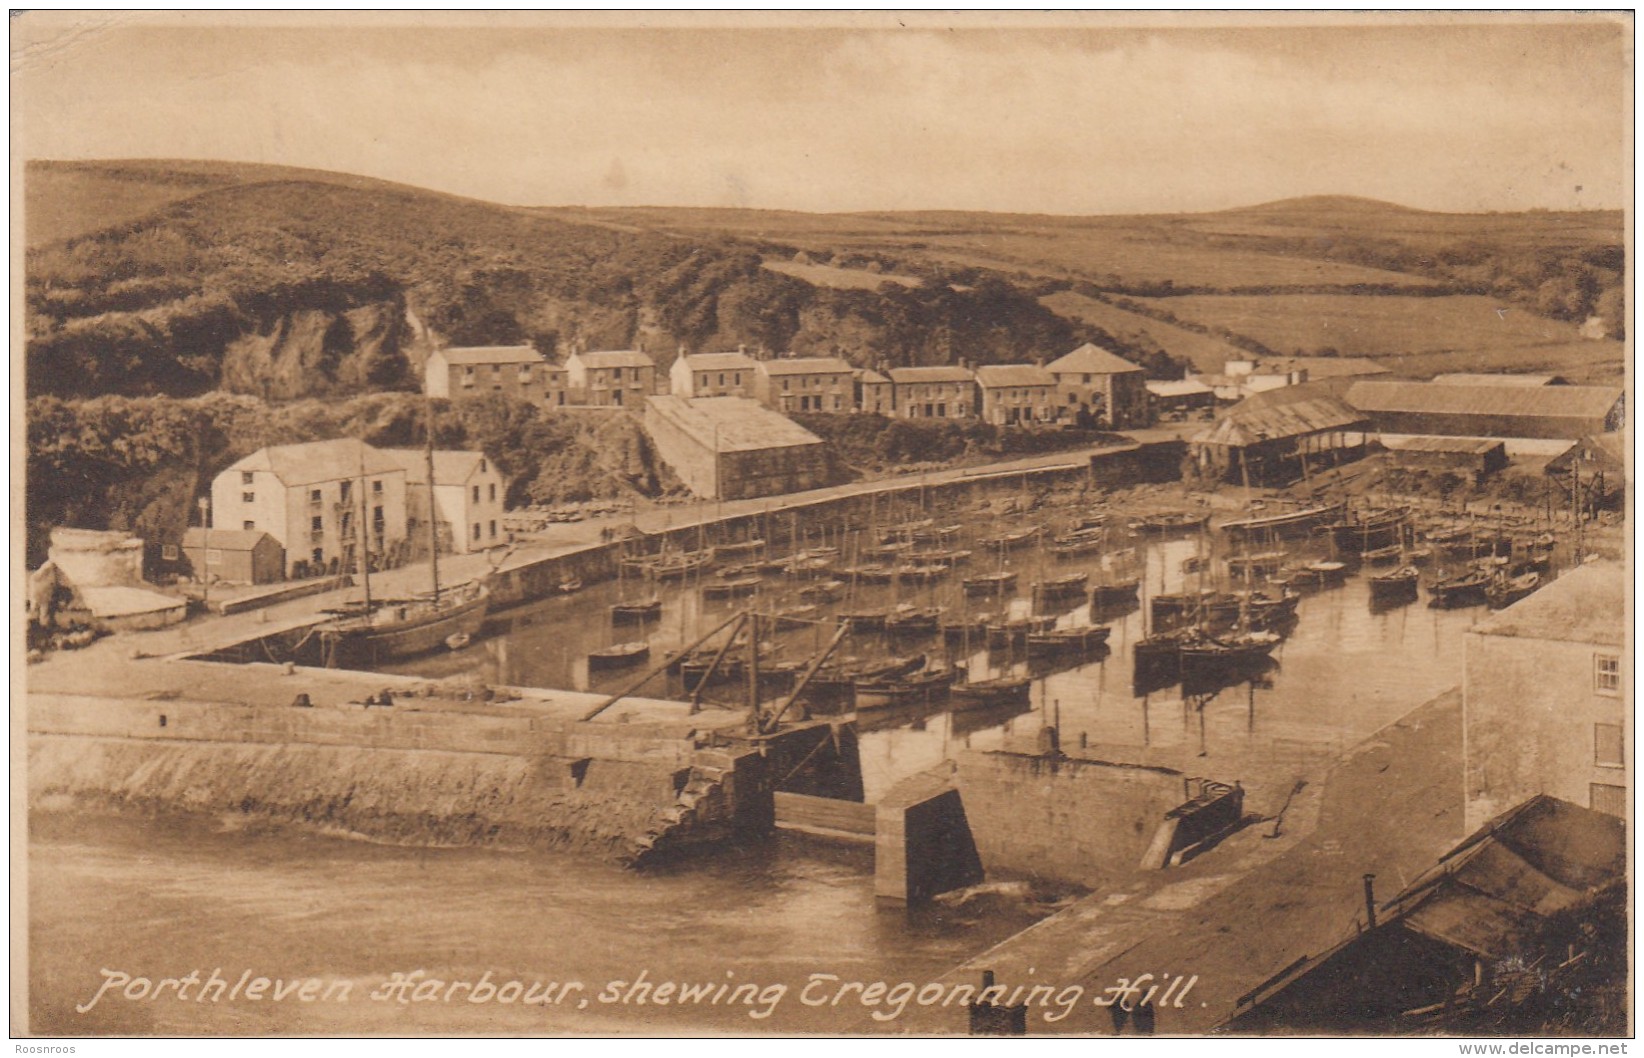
[
  {"x": 1071, "y": 586},
  {"x": 1380, "y": 556},
  {"x": 1173, "y": 606},
  {"x": 908, "y": 619},
  {"x": 961, "y": 627},
  {"x": 891, "y": 550},
  {"x": 1014, "y": 538},
  {"x": 726, "y": 589},
  {"x": 941, "y": 556},
  {"x": 1324, "y": 571},
  {"x": 619, "y": 654},
  {"x": 863, "y": 620},
  {"x": 374, "y": 631},
  {"x": 1002, "y": 634},
  {"x": 823, "y": 591},
  {"x": 679, "y": 564},
  {"x": 1081, "y": 638},
  {"x": 1116, "y": 593},
  {"x": 1464, "y": 589},
  {"x": 919, "y": 573},
  {"x": 990, "y": 583},
  {"x": 1263, "y": 563},
  {"x": 636, "y": 612},
  {"x": 808, "y": 566},
  {"x": 1004, "y": 690},
  {"x": 1370, "y": 531},
  {"x": 906, "y": 531},
  {"x": 1231, "y": 648},
  {"x": 1079, "y": 542},
  {"x": 873, "y": 573},
  {"x": 930, "y": 684},
  {"x": 740, "y": 548},
  {"x": 1170, "y": 522},
  {"x": 1537, "y": 553},
  {"x": 741, "y": 569},
  {"x": 843, "y": 675},
  {"x": 791, "y": 617},
  {"x": 1292, "y": 523},
  {"x": 1504, "y": 591},
  {"x": 1395, "y": 585}
]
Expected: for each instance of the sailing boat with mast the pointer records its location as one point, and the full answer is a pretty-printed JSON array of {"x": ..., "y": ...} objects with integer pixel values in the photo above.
[{"x": 378, "y": 630}]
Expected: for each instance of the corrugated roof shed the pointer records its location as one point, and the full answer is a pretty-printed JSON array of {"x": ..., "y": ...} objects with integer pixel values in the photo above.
[
  {"x": 1321, "y": 366},
  {"x": 994, "y": 376},
  {"x": 615, "y": 358},
  {"x": 304, "y": 464},
  {"x": 1292, "y": 411},
  {"x": 805, "y": 365},
  {"x": 450, "y": 467},
  {"x": 1599, "y": 451},
  {"x": 1586, "y": 605},
  {"x": 1092, "y": 360},
  {"x": 226, "y": 539},
  {"x": 734, "y": 424},
  {"x": 1432, "y": 398},
  {"x": 1489, "y": 895},
  {"x": 1476, "y": 446},
  {"x": 719, "y": 362},
  {"x": 1186, "y": 387},
  {"x": 903, "y": 376},
  {"x": 492, "y": 354},
  {"x": 1469, "y": 378}
]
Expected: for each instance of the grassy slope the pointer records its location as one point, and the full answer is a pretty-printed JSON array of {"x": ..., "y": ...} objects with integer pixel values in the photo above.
[
  {"x": 839, "y": 278},
  {"x": 1412, "y": 334},
  {"x": 1207, "y": 353}
]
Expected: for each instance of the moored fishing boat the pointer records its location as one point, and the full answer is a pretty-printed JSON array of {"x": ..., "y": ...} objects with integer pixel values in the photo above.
[
  {"x": 730, "y": 588},
  {"x": 678, "y": 564},
  {"x": 908, "y": 619},
  {"x": 1170, "y": 522},
  {"x": 1261, "y": 564},
  {"x": 863, "y": 620},
  {"x": 929, "y": 684},
  {"x": 1292, "y": 523},
  {"x": 1371, "y": 530},
  {"x": 823, "y": 591},
  {"x": 990, "y": 583},
  {"x": 634, "y": 612},
  {"x": 1230, "y": 648},
  {"x": 1464, "y": 589},
  {"x": 619, "y": 654},
  {"x": 982, "y": 694},
  {"x": 1382, "y": 555},
  {"x": 1016, "y": 629},
  {"x": 1070, "y": 586},
  {"x": 740, "y": 548},
  {"x": 391, "y": 628},
  {"x": 1394, "y": 585},
  {"x": 1506, "y": 590},
  {"x": 1080, "y": 638},
  {"x": 1079, "y": 542},
  {"x": 1115, "y": 593},
  {"x": 1013, "y": 538},
  {"x": 973, "y": 625}
]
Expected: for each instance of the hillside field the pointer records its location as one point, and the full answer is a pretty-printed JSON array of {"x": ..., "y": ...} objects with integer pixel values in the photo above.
[
  {"x": 1411, "y": 335},
  {"x": 1206, "y": 352}
]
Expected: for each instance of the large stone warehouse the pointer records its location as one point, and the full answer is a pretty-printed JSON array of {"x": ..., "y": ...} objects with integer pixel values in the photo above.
[
  {"x": 732, "y": 448},
  {"x": 1544, "y": 412}
]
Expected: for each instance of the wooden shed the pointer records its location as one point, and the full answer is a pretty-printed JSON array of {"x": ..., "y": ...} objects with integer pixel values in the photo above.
[{"x": 239, "y": 556}]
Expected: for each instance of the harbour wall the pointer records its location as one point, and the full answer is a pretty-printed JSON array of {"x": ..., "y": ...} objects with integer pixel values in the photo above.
[
  {"x": 782, "y": 520},
  {"x": 1065, "y": 819}
]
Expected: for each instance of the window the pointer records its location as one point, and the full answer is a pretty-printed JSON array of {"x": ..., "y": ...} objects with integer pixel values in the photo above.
[
  {"x": 1087, "y": 380},
  {"x": 736, "y": 378},
  {"x": 248, "y": 525},
  {"x": 346, "y": 523},
  {"x": 722, "y": 378},
  {"x": 493, "y": 530},
  {"x": 482, "y": 458},
  {"x": 496, "y": 369},
  {"x": 1611, "y": 800},
  {"x": 1608, "y": 750},
  {"x": 476, "y": 530},
  {"x": 248, "y": 497},
  {"x": 314, "y": 496},
  {"x": 1607, "y": 674},
  {"x": 525, "y": 372},
  {"x": 784, "y": 385},
  {"x": 345, "y": 491},
  {"x": 468, "y": 377},
  {"x": 703, "y": 381},
  {"x": 376, "y": 488},
  {"x": 246, "y": 477},
  {"x": 476, "y": 493},
  {"x": 316, "y": 524},
  {"x": 168, "y": 552},
  {"x": 492, "y": 488},
  {"x": 376, "y": 520},
  {"x": 318, "y": 557},
  {"x": 562, "y": 404}
]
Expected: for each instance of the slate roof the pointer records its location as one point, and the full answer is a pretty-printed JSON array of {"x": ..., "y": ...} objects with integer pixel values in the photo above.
[
  {"x": 1586, "y": 605},
  {"x": 1469, "y": 378},
  {"x": 492, "y": 354},
  {"x": 996, "y": 376},
  {"x": 1091, "y": 360},
  {"x": 903, "y": 376},
  {"x": 735, "y": 424},
  {"x": 1437, "y": 398},
  {"x": 1290, "y": 411},
  {"x": 305, "y": 464},
  {"x": 805, "y": 365},
  {"x": 615, "y": 358},
  {"x": 225, "y": 539},
  {"x": 720, "y": 362},
  {"x": 450, "y": 467}
]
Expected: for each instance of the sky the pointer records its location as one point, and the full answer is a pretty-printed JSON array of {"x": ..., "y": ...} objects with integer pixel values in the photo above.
[{"x": 1060, "y": 114}]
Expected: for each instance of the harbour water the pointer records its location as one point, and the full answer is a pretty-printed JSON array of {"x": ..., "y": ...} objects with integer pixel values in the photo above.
[{"x": 158, "y": 898}]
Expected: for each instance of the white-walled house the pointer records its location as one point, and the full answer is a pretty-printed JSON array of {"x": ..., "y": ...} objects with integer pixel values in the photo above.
[
  {"x": 312, "y": 498},
  {"x": 468, "y": 499}
]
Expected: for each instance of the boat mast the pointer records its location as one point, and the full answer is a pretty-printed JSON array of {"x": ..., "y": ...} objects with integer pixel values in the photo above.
[
  {"x": 433, "y": 517},
  {"x": 362, "y": 549}
]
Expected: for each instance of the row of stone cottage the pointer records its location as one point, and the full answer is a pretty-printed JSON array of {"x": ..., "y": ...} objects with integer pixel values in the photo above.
[{"x": 1088, "y": 382}]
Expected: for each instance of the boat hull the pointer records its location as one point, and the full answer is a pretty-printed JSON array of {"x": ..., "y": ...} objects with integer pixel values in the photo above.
[{"x": 359, "y": 641}]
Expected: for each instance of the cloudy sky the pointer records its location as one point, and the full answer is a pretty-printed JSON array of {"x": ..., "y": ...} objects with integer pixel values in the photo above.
[{"x": 1079, "y": 116}]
